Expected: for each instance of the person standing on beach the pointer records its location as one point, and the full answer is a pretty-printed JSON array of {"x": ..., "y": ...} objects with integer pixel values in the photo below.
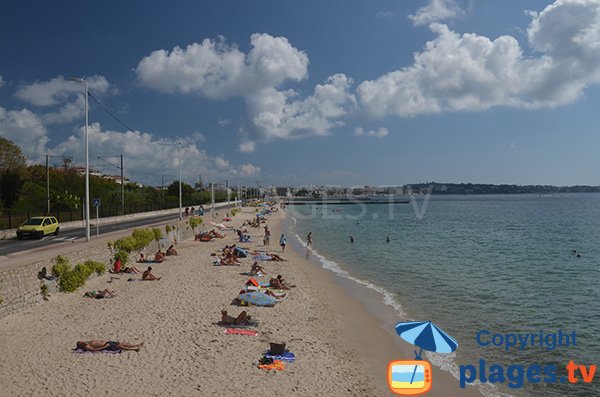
[
  {"x": 351, "y": 239},
  {"x": 309, "y": 239},
  {"x": 282, "y": 241}
]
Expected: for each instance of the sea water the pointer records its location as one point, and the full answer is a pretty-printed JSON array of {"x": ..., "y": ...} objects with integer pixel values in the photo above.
[{"x": 502, "y": 263}]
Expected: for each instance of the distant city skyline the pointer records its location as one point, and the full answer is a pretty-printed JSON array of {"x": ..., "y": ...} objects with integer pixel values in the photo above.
[{"x": 379, "y": 93}]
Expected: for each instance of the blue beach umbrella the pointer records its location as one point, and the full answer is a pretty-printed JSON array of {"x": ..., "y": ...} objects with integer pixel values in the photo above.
[
  {"x": 426, "y": 335},
  {"x": 257, "y": 299}
]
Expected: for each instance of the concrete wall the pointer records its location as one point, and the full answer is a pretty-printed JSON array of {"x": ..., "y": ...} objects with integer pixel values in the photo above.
[{"x": 20, "y": 285}]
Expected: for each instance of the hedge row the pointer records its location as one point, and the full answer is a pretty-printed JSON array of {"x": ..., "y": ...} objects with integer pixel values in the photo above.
[{"x": 69, "y": 279}]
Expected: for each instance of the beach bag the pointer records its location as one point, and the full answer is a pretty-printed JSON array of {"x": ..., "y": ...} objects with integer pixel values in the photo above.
[{"x": 277, "y": 348}]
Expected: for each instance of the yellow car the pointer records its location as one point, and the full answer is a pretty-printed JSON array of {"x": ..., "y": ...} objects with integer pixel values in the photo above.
[{"x": 38, "y": 226}]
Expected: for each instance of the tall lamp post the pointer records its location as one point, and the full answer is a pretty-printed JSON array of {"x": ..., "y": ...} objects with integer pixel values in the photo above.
[
  {"x": 180, "y": 199},
  {"x": 87, "y": 160}
]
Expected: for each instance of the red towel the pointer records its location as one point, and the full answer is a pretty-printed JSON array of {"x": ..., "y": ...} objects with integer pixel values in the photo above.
[{"x": 237, "y": 331}]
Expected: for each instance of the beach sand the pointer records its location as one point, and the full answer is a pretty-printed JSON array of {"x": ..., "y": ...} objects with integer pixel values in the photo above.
[{"x": 340, "y": 347}]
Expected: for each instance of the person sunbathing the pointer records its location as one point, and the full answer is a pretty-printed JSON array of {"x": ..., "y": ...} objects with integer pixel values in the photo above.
[
  {"x": 279, "y": 283},
  {"x": 229, "y": 260},
  {"x": 159, "y": 256},
  {"x": 256, "y": 269},
  {"x": 171, "y": 251},
  {"x": 148, "y": 276},
  {"x": 275, "y": 257},
  {"x": 215, "y": 234},
  {"x": 282, "y": 281},
  {"x": 241, "y": 319},
  {"x": 100, "y": 294},
  {"x": 131, "y": 269},
  {"x": 202, "y": 237},
  {"x": 101, "y": 345},
  {"x": 142, "y": 258}
]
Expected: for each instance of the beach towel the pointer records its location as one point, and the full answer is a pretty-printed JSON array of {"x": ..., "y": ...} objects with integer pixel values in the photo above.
[
  {"x": 265, "y": 284},
  {"x": 82, "y": 351},
  {"x": 277, "y": 366},
  {"x": 238, "y": 331},
  {"x": 286, "y": 356},
  {"x": 240, "y": 253},
  {"x": 252, "y": 281}
]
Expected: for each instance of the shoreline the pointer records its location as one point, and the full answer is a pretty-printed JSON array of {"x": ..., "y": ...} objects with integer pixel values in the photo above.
[
  {"x": 340, "y": 348},
  {"x": 366, "y": 305}
]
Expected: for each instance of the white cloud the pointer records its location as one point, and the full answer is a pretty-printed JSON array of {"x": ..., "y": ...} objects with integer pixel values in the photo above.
[
  {"x": 68, "y": 95},
  {"x": 58, "y": 90},
  {"x": 25, "y": 129},
  {"x": 379, "y": 133},
  {"x": 247, "y": 147},
  {"x": 281, "y": 114},
  {"x": 436, "y": 10},
  {"x": 138, "y": 147},
  {"x": 470, "y": 72},
  {"x": 223, "y": 122},
  {"x": 218, "y": 70},
  {"x": 246, "y": 170}
]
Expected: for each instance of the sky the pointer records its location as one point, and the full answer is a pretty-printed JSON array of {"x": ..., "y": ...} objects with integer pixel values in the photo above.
[{"x": 337, "y": 92}]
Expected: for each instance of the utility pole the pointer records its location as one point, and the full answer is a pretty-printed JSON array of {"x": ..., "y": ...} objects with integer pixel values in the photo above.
[
  {"x": 227, "y": 188},
  {"x": 162, "y": 190}
]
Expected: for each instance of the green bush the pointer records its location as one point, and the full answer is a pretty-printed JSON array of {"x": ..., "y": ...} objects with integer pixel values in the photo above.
[
  {"x": 195, "y": 222},
  {"x": 126, "y": 244},
  {"x": 61, "y": 267},
  {"x": 168, "y": 229},
  {"x": 142, "y": 238},
  {"x": 74, "y": 278}
]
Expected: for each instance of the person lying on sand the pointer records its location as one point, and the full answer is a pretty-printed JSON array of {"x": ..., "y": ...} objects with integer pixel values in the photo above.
[
  {"x": 148, "y": 276},
  {"x": 100, "y": 294},
  {"x": 256, "y": 269},
  {"x": 215, "y": 234},
  {"x": 229, "y": 260},
  {"x": 100, "y": 345},
  {"x": 159, "y": 256},
  {"x": 279, "y": 283},
  {"x": 242, "y": 318},
  {"x": 276, "y": 296},
  {"x": 203, "y": 237},
  {"x": 171, "y": 251}
]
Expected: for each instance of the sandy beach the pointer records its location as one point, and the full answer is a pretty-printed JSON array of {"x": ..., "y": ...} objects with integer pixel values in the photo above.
[{"x": 340, "y": 348}]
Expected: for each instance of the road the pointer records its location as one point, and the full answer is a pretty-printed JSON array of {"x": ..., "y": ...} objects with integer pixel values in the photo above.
[{"x": 12, "y": 245}]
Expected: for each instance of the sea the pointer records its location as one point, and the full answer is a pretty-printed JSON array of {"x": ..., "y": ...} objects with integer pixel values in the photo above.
[{"x": 493, "y": 265}]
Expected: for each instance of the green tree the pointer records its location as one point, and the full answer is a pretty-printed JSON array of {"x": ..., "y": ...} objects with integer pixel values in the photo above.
[{"x": 12, "y": 172}]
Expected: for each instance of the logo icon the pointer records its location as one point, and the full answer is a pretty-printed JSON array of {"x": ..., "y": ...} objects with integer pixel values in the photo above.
[
  {"x": 409, "y": 377},
  {"x": 413, "y": 377}
]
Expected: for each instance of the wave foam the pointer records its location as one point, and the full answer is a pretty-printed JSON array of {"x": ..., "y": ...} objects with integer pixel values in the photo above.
[{"x": 332, "y": 266}]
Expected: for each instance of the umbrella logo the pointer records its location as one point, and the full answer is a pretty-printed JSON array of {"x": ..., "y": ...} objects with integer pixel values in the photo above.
[{"x": 413, "y": 377}]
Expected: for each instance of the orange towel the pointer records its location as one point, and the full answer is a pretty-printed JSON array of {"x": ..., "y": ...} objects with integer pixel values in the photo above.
[
  {"x": 277, "y": 366},
  {"x": 252, "y": 281}
]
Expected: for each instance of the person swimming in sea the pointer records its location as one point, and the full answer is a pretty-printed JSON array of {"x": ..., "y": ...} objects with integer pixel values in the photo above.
[
  {"x": 351, "y": 239},
  {"x": 387, "y": 239}
]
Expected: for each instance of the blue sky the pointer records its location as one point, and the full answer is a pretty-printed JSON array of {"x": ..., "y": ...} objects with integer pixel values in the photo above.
[{"x": 321, "y": 92}]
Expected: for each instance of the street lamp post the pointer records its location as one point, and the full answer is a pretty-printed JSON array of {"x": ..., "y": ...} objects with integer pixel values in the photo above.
[
  {"x": 180, "y": 200},
  {"x": 87, "y": 160}
]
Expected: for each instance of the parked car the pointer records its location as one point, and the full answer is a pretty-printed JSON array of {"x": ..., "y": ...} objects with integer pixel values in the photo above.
[{"x": 38, "y": 227}]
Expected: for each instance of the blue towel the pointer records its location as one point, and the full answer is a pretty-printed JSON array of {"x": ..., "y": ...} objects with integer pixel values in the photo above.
[{"x": 286, "y": 356}]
